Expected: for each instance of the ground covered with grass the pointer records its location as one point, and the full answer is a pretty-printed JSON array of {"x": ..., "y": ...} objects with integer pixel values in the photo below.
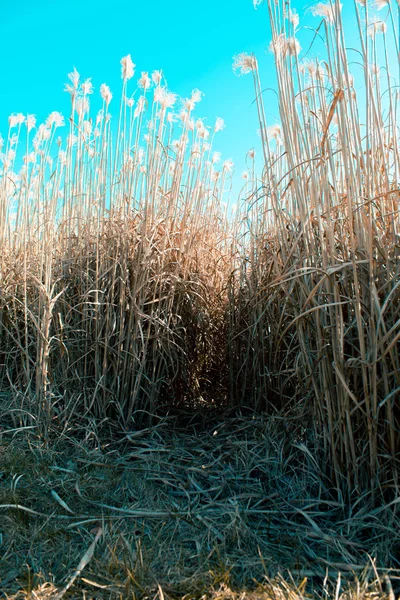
[{"x": 228, "y": 507}]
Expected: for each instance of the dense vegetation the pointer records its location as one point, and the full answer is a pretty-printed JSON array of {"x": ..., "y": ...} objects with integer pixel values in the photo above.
[{"x": 127, "y": 287}]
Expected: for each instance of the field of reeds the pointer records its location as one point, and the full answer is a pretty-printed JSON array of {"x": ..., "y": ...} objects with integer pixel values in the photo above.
[{"x": 131, "y": 296}]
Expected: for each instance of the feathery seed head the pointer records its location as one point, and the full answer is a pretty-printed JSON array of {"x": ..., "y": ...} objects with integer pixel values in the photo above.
[
  {"x": 156, "y": 77},
  {"x": 375, "y": 27},
  {"x": 145, "y": 81},
  {"x": 30, "y": 158},
  {"x": 30, "y": 122},
  {"x": 293, "y": 18},
  {"x": 129, "y": 101},
  {"x": 74, "y": 78},
  {"x": 13, "y": 140},
  {"x": 127, "y": 67},
  {"x": 165, "y": 98},
  {"x": 14, "y": 120},
  {"x": 326, "y": 10},
  {"x": 283, "y": 46},
  {"x": 87, "y": 128},
  {"x": 87, "y": 87},
  {"x": 196, "y": 96},
  {"x": 379, "y": 4},
  {"x": 82, "y": 106},
  {"x": 105, "y": 93},
  {"x": 244, "y": 63},
  {"x": 251, "y": 153},
  {"x": 219, "y": 124},
  {"x": 274, "y": 132},
  {"x": 55, "y": 118},
  {"x": 228, "y": 165},
  {"x": 216, "y": 157},
  {"x": 42, "y": 134}
]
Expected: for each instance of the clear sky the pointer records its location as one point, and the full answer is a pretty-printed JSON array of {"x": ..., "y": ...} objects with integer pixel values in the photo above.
[{"x": 192, "y": 42}]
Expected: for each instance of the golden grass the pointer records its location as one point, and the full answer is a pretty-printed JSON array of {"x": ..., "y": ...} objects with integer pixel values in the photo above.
[{"x": 128, "y": 293}]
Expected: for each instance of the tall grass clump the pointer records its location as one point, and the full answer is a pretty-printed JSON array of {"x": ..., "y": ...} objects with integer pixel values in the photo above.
[
  {"x": 124, "y": 286},
  {"x": 115, "y": 252},
  {"x": 315, "y": 307}
]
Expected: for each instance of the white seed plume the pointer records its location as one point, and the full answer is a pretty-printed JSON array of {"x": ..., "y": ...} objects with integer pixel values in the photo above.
[
  {"x": 228, "y": 165},
  {"x": 219, "y": 124},
  {"x": 30, "y": 158},
  {"x": 375, "y": 27},
  {"x": 87, "y": 127},
  {"x": 82, "y": 106},
  {"x": 274, "y": 132},
  {"x": 156, "y": 77},
  {"x": 196, "y": 96},
  {"x": 127, "y": 67},
  {"x": 190, "y": 103},
  {"x": 293, "y": 18},
  {"x": 310, "y": 67},
  {"x": 13, "y": 140},
  {"x": 251, "y": 153},
  {"x": 379, "y": 4},
  {"x": 216, "y": 157},
  {"x": 30, "y": 122},
  {"x": 285, "y": 46},
  {"x": 105, "y": 93},
  {"x": 14, "y": 120},
  {"x": 326, "y": 10},
  {"x": 129, "y": 101},
  {"x": 87, "y": 87},
  {"x": 165, "y": 98},
  {"x": 74, "y": 78},
  {"x": 145, "y": 81},
  {"x": 244, "y": 63},
  {"x": 55, "y": 118}
]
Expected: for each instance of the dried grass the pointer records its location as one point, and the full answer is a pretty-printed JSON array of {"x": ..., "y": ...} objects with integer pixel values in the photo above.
[{"x": 218, "y": 509}]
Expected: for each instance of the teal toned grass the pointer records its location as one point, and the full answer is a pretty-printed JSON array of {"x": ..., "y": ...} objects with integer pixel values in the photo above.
[{"x": 128, "y": 289}]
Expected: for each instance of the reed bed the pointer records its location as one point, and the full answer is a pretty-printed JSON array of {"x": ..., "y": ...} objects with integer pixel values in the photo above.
[
  {"x": 116, "y": 254},
  {"x": 127, "y": 288},
  {"x": 314, "y": 308}
]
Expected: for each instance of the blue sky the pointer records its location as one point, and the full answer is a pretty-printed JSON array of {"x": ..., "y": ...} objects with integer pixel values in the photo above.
[{"x": 192, "y": 42}]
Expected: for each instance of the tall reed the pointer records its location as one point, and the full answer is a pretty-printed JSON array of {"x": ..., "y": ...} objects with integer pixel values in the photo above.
[
  {"x": 115, "y": 256},
  {"x": 315, "y": 310}
]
